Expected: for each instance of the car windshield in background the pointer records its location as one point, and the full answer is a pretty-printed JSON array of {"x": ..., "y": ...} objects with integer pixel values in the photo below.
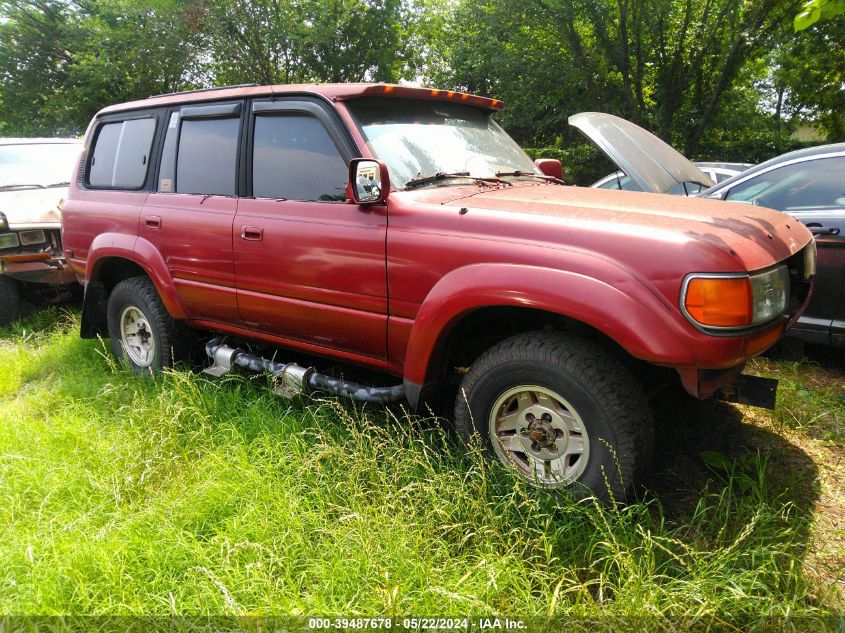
[
  {"x": 422, "y": 138},
  {"x": 627, "y": 183},
  {"x": 35, "y": 165}
]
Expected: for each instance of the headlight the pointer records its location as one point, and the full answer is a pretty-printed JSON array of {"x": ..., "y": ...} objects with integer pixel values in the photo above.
[
  {"x": 35, "y": 236},
  {"x": 735, "y": 301},
  {"x": 9, "y": 240}
]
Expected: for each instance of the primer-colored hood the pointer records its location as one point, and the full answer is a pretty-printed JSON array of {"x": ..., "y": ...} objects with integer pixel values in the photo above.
[
  {"x": 653, "y": 164},
  {"x": 30, "y": 207}
]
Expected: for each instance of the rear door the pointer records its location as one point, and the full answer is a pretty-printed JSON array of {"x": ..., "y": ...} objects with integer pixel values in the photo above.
[
  {"x": 812, "y": 191},
  {"x": 188, "y": 218},
  {"x": 310, "y": 268}
]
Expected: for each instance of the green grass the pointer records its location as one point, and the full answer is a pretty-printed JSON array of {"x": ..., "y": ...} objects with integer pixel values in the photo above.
[{"x": 182, "y": 495}]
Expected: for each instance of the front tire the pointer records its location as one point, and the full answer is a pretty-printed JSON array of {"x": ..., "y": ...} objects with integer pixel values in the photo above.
[
  {"x": 141, "y": 330},
  {"x": 560, "y": 411}
]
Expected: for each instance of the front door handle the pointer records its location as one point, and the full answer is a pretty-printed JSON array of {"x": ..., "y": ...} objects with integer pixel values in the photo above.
[
  {"x": 153, "y": 221},
  {"x": 818, "y": 229},
  {"x": 252, "y": 233}
]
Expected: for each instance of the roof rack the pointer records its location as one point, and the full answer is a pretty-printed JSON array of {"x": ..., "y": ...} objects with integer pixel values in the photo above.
[{"x": 187, "y": 92}]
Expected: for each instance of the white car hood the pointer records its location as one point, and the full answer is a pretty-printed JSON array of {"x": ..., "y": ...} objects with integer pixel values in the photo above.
[
  {"x": 653, "y": 164},
  {"x": 31, "y": 207}
]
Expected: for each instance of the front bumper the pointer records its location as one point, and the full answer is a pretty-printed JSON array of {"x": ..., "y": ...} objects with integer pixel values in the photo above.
[
  {"x": 41, "y": 263},
  {"x": 726, "y": 356}
]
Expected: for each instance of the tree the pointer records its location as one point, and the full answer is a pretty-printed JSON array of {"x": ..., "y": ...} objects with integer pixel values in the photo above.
[
  {"x": 272, "y": 41},
  {"x": 60, "y": 62},
  {"x": 809, "y": 74},
  {"x": 668, "y": 64}
]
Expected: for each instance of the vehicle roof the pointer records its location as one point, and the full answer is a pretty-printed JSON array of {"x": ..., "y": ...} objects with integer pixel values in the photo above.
[
  {"x": 39, "y": 141},
  {"x": 332, "y": 92},
  {"x": 807, "y": 152}
]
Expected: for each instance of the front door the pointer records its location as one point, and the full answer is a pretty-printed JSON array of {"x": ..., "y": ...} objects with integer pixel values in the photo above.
[{"x": 310, "y": 268}]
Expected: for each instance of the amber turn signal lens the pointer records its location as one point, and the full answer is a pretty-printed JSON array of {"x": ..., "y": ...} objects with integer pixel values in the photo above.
[{"x": 720, "y": 301}]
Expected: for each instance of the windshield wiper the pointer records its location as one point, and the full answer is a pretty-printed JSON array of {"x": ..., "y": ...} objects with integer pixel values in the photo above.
[
  {"x": 532, "y": 175},
  {"x": 446, "y": 176},
  {"x": 12, "y": 187},
  {"x": 57, "y": 184}
]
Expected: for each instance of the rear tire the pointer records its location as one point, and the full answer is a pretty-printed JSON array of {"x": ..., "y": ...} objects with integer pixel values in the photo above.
[
  {"x": 141, "y": 330},
  {"x": 560, "y": 411},
  {"x": 10, "y": 300}
]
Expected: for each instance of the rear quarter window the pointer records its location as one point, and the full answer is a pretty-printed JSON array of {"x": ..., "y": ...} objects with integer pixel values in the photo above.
[{"x": 121, "y": 154}]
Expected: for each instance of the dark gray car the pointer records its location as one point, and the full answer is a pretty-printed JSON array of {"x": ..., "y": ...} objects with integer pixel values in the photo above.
[{"x": 809, "y": 185}]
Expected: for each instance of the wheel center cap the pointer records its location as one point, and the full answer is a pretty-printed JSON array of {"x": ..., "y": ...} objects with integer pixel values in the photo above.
[{"x": 542, "y": 433}]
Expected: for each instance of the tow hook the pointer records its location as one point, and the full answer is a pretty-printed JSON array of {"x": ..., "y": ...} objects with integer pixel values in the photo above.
[{"x": 294, "y": 379}]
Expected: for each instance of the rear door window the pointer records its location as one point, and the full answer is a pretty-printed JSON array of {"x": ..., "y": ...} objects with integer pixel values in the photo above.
[
  {"x": 295, "y": 158},
  {"x": 121, "y": 154},
  {"x": 206, "y": 161}
]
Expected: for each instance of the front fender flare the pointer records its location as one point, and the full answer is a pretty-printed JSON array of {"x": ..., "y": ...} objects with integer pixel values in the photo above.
[{"x": 618, "y": 305}]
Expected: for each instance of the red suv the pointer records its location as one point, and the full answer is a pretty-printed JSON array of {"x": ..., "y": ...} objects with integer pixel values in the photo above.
[{"x": 402, "y": 230}]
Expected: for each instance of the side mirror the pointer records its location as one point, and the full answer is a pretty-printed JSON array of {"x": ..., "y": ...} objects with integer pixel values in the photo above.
[
  {"x": 369, "y": 182},
  {"x": 550, "y": 167}
]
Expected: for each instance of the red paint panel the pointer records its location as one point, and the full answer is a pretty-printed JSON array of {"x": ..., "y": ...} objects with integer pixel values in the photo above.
[
  {"x": 317, "y": 275},
  {"x": 193, "y": 234}
]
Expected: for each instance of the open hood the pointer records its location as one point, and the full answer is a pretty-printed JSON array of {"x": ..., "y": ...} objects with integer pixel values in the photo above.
[{"x": 654, "y": 165}]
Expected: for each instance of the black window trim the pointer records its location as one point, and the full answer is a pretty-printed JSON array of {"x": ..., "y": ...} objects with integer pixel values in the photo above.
[
  {"x": 152, "y": 162},
  {"x": 215, "y": 111},
  {"x": 297, "y": 104}
]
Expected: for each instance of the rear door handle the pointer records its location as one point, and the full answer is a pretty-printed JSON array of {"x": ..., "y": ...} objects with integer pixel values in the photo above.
[
  {"x": 252, "y": 233},
  {"x": 153, "y": 221}
]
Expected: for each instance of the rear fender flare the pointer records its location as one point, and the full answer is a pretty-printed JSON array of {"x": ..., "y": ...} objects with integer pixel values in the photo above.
[{"x": 143, "y": 253}]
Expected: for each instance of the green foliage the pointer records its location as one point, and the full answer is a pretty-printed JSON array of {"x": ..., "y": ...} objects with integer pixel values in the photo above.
[
  {"x": 60, "y": 62},
  {"x": 808, "y": 76},
  {"x": 815, "y": 10},
  {"x": 690, "y": 70},
  {"x": 667, "y": 64},
  {"x": 746, "y": 145},
  {"x": 179, "y": 495},
  {"x": 301, "y": 41}
]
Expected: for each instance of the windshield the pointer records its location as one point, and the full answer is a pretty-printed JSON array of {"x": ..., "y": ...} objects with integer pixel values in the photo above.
[
  {"x": 422, "y": 138},
  {"x": 37, "y": 164}
]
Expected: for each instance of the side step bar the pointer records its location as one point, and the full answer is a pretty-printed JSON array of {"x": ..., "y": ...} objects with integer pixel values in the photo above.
[{"x": 293, "y": 378}]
